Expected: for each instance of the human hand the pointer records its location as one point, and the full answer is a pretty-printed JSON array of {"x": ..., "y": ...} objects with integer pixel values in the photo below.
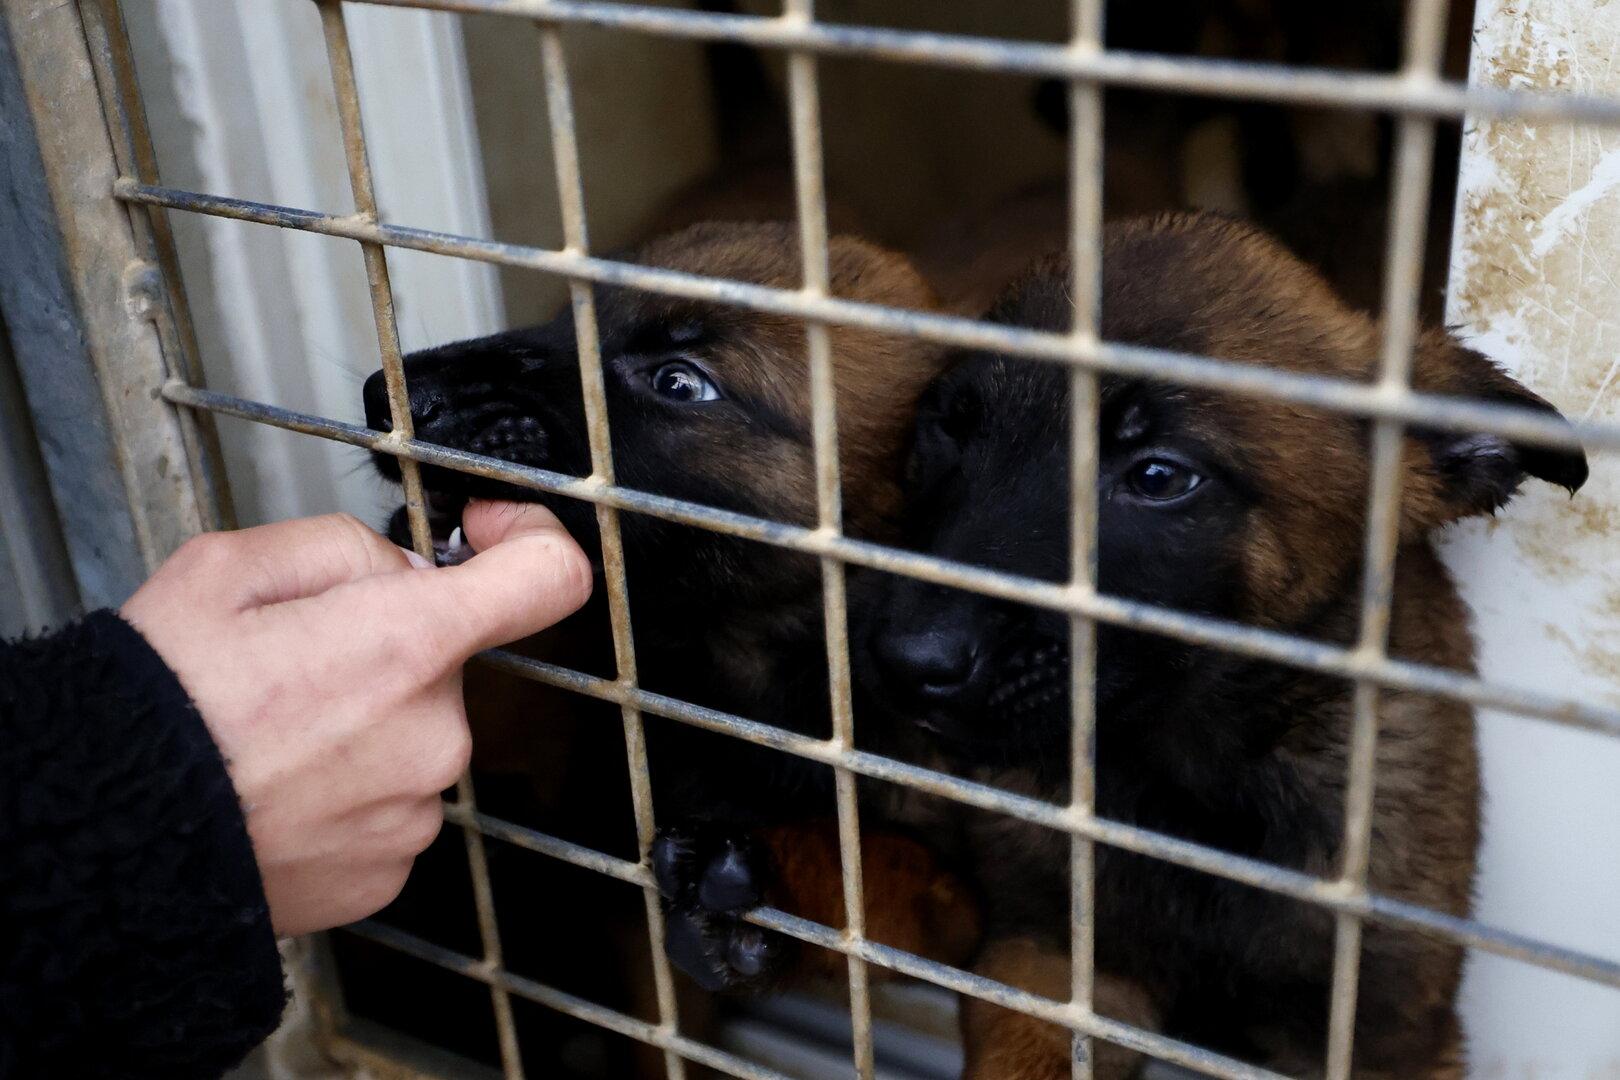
[{"x": 326, "y": 664}]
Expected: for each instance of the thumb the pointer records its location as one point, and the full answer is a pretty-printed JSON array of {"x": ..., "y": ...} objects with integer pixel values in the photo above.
[
  {"x": 527, "y": 574},
  {"x": 488, "y": 522}
]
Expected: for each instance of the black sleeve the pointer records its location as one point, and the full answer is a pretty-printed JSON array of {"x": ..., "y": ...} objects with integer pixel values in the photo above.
[{"x": 134, "y": 937}]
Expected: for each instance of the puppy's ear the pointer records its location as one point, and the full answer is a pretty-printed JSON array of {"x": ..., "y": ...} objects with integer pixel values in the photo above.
[{"x": 1474, "y": 472}]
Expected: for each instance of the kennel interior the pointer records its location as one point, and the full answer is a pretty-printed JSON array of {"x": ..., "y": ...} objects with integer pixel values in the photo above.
[{"x": 218, "y": 145}]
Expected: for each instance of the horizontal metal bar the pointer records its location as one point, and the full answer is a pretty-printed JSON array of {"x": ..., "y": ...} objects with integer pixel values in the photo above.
[
  {"x": 1320, "y": 391},
  {"x": 365, "y": 1048},
  {"x": 1261, "y": 875},
  {"x": 1197, "y": 629},
  {"x": 1312, "y": 890},
  {"x": 1392, "y": 93},
  {"x": 938, "y": 974},
  {"x": 894, "y": 959},
  {"x": 943, "y": 975},
  {"x": 1066, "y": 1014},
  {"x": 577, "y": 1007},
  {"x": 543, "y": 844}
]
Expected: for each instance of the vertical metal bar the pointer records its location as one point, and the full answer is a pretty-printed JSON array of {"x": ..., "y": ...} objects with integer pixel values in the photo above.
[
  {"x": 132, "y": 144},
  {"x": 804, "y": 100},
  {"x": 1403, "y": 274},
  {"x": 571, "y": 195},
  {"x": 1086, "y": 239},
  {"x": 382, "y": 297},
  {"x": 341, "y": 61}
]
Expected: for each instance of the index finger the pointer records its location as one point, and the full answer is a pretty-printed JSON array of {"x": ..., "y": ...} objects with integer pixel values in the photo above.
[{"x": 287, "y": 560}]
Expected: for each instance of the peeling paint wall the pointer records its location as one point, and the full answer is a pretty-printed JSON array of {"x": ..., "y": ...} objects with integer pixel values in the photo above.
[{"x": 1535, "y": 283}]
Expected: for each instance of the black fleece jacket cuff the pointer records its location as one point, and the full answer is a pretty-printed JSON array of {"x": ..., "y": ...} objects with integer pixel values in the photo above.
[{"x": 134, "y": 936}]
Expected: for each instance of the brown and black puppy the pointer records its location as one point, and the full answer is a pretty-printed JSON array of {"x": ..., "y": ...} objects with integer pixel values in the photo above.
[
  {"x": 708, "y": 404},
  {"x": 1239, "y": 508}
]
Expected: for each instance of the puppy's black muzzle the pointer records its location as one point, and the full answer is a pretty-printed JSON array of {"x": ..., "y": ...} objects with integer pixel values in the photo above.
[
  {"x": 508, "y": 396},
  {"x": 986, "y": 678},
  {"x": 488, "y": 426},
  {"x": 927, "y": 654},
  {"x": 936, "y": 663},
  {"x": 926, "y": 649}
]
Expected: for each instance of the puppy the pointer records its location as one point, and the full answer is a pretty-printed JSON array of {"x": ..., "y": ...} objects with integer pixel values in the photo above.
[
  {"x": 1239, "y": 508},
  {"x": 711, "y": 404}
]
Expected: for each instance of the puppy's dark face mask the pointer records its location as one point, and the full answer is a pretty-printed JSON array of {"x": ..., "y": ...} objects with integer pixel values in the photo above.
[
  {"x": 684, "y": 424},
  {"x": 512, "y": 396},
  {"x": 516, "y": 397},
  {"x": 988, "y": 485},
  {"x": 707, "y": 404},
  {"x": 1234, "y": 507}
]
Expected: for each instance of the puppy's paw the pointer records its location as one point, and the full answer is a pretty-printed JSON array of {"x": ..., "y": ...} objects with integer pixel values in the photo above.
[{"x": 709, "y": 876}]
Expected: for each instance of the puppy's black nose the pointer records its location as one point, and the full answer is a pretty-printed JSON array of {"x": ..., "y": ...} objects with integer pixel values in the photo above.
[
  {"x": 375, "y": 395},
  {"x": 931, "y": 663}
]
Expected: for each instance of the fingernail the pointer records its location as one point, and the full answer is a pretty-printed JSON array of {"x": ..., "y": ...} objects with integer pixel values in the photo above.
[{"x": 416, "y": 560}]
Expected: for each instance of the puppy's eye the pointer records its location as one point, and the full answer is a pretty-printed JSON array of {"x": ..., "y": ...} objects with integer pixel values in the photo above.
[
  {"x": 681, "y": 381},
  {"x": 1162, "y": 480},
  {"x": 948, "y": 421}
]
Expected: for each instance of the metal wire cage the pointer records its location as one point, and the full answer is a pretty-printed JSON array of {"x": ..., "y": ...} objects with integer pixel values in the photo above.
[{"x": 103, "y": 171}]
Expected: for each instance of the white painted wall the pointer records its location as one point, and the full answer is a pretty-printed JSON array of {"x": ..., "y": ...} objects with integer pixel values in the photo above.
[{"x": 1534, "y": 284}]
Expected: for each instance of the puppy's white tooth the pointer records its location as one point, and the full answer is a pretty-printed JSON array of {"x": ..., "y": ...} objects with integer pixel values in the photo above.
[{"x": 456, "y": 539}]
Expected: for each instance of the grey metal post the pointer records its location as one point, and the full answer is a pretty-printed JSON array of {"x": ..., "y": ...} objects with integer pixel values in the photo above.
[{"x": 83, "y": 295}]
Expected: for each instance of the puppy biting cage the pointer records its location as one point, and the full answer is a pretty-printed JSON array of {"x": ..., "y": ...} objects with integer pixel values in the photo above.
[{"x": 1416, "y": 95}]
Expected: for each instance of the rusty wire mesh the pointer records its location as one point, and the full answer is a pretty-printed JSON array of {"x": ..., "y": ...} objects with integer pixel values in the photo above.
[{"x": 1415, "y": 94}]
